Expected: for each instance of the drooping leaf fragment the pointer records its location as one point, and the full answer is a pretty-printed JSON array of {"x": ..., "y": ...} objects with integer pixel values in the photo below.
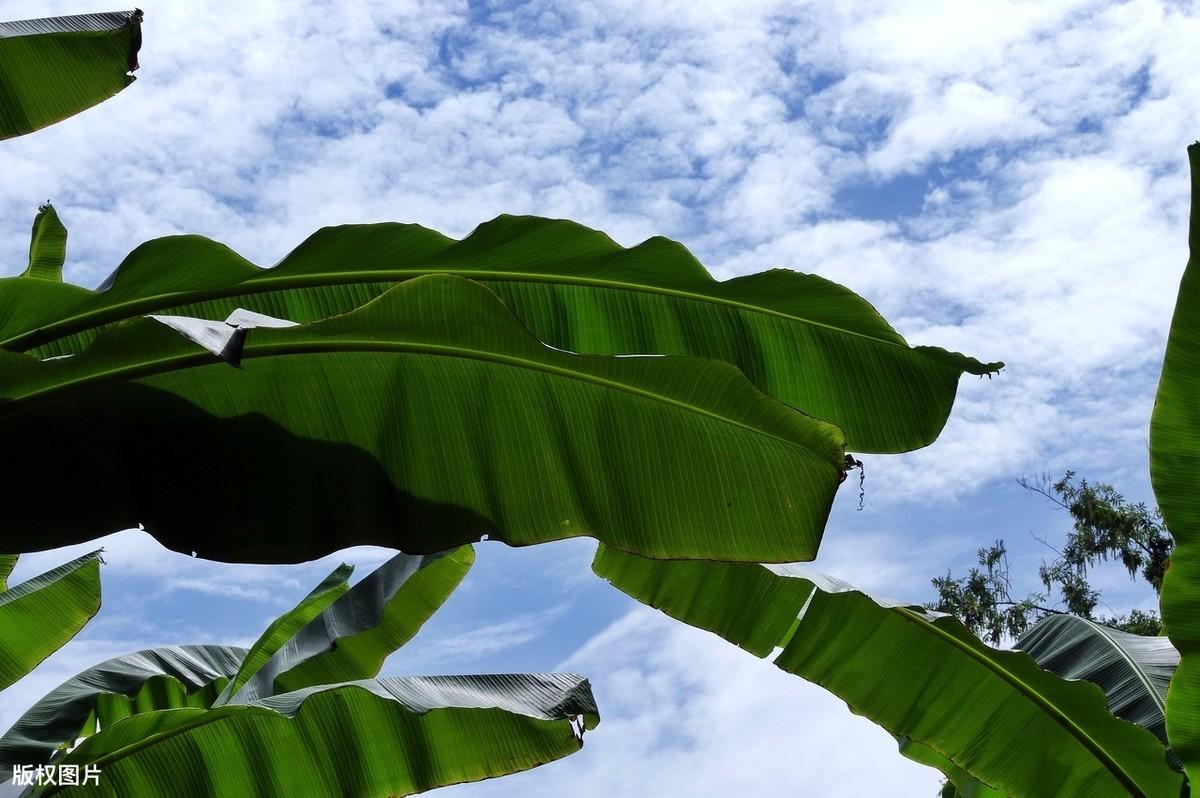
[
  {"x": 41, "y": 614},
  {"x": 55, "y": 67}
]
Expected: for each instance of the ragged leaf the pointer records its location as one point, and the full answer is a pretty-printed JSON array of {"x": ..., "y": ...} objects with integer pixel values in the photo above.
[
  {"x": 805, "y": 340},
  {"x": 55, "y": 67}
]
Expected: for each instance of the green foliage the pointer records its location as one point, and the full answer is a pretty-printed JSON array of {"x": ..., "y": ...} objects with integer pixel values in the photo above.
[
  {"x": 1106, "y": 527},
  {"x": 212, "y": 720}
]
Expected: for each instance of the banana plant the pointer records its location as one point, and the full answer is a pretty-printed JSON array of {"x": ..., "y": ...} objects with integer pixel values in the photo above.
[
  {"x": 1174, "y": 472},
  {"x": 55, "y": 67},
  {"x": 39, "y": 616},
  {"x": 965, "y": 707},
  {"x": 302, "y": 711}
]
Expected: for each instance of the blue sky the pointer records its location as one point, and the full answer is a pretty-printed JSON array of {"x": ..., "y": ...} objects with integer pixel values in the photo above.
[{"x": 1002, "y": 178}]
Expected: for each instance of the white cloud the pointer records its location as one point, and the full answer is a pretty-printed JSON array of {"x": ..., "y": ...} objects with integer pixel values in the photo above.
[
  {"x": 684, "y": 713},
  {"x": 464, "y": 648}
]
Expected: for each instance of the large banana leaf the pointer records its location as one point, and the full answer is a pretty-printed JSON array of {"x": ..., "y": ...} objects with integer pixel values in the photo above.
[
  {"x": 920, "y": 675},
  {"x": 423, "y": 420},
  {"x": 350, "y": 638},
  {"x": 38, "y": 616},
  {"x": 1132, "y": 670},
  {"x": 362, "y": 739},
  {"x": 807, "y": 341},
  {"x": 145, "y": 681},
  {"x": 1175, "y": 474},
  {"x": 55, "y": 67}
]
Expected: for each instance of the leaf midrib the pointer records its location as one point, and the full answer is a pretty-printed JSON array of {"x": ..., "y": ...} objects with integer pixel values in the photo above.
[
  {"x": 202, "y": 358},
  {"x": 80, "y": 322}
]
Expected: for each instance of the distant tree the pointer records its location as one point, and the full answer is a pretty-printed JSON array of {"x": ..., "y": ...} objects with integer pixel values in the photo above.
[{"x": 1106, "y": 527}]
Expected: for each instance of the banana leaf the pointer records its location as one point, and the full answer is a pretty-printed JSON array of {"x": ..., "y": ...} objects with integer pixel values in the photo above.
[
  {"x": 805, "y": 340},
  {"x": 55, "y": 67},
  {"x": 920, "y": 675},
  {"x": 424, "y": 420},
  {"x": 349, "y": 639},
  {"x": 364, "y": 739},
  {"x": 38, "y": 616},
  {"x": 154, "y": 679},
  {"x": 1175, "y": 473},
  {"x": 1132, "y": 670}
]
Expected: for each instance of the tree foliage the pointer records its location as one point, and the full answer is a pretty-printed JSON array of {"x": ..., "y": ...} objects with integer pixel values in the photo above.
[{"x": 1106, "y": 527}]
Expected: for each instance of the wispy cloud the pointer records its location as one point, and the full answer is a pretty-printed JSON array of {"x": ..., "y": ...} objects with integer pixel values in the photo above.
[{"x": 464, "y": 647}]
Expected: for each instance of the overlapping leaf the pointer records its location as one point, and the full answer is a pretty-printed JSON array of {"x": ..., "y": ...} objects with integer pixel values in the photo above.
[
  {"x": 350, "y": 638},
  {"x": 1132, "y": 670},
  {"x": 395, "y": 736},
  {"x": 922, "y": 676},
  {"x": 1175, "y": 474},
  {"x": 154, "y": 679},
  {"x": 425, "y": 419},
  {"x": 211, "y": 720},
  {"x": 38, "y": 616},
  {"x": 55, "y": 67},
  {"x": 809, "y": 342}
]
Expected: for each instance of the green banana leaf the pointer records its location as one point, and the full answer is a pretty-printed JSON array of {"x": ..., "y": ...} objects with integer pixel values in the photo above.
[
  {"x": 1132, "y": 670},
  {"x": 809, "y": 342},
  {"x": 350, "y": 638},
  {"x": 425, "y": 419},
  {"x": 920, "y": 675},
  {"x": 145, "y": 681},
  {"x": 38, "y": 616},
  {"x": 53, "y": 68},
  {"x": 1174, "y": 473},
  {"x": 363, "y": 739}
]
